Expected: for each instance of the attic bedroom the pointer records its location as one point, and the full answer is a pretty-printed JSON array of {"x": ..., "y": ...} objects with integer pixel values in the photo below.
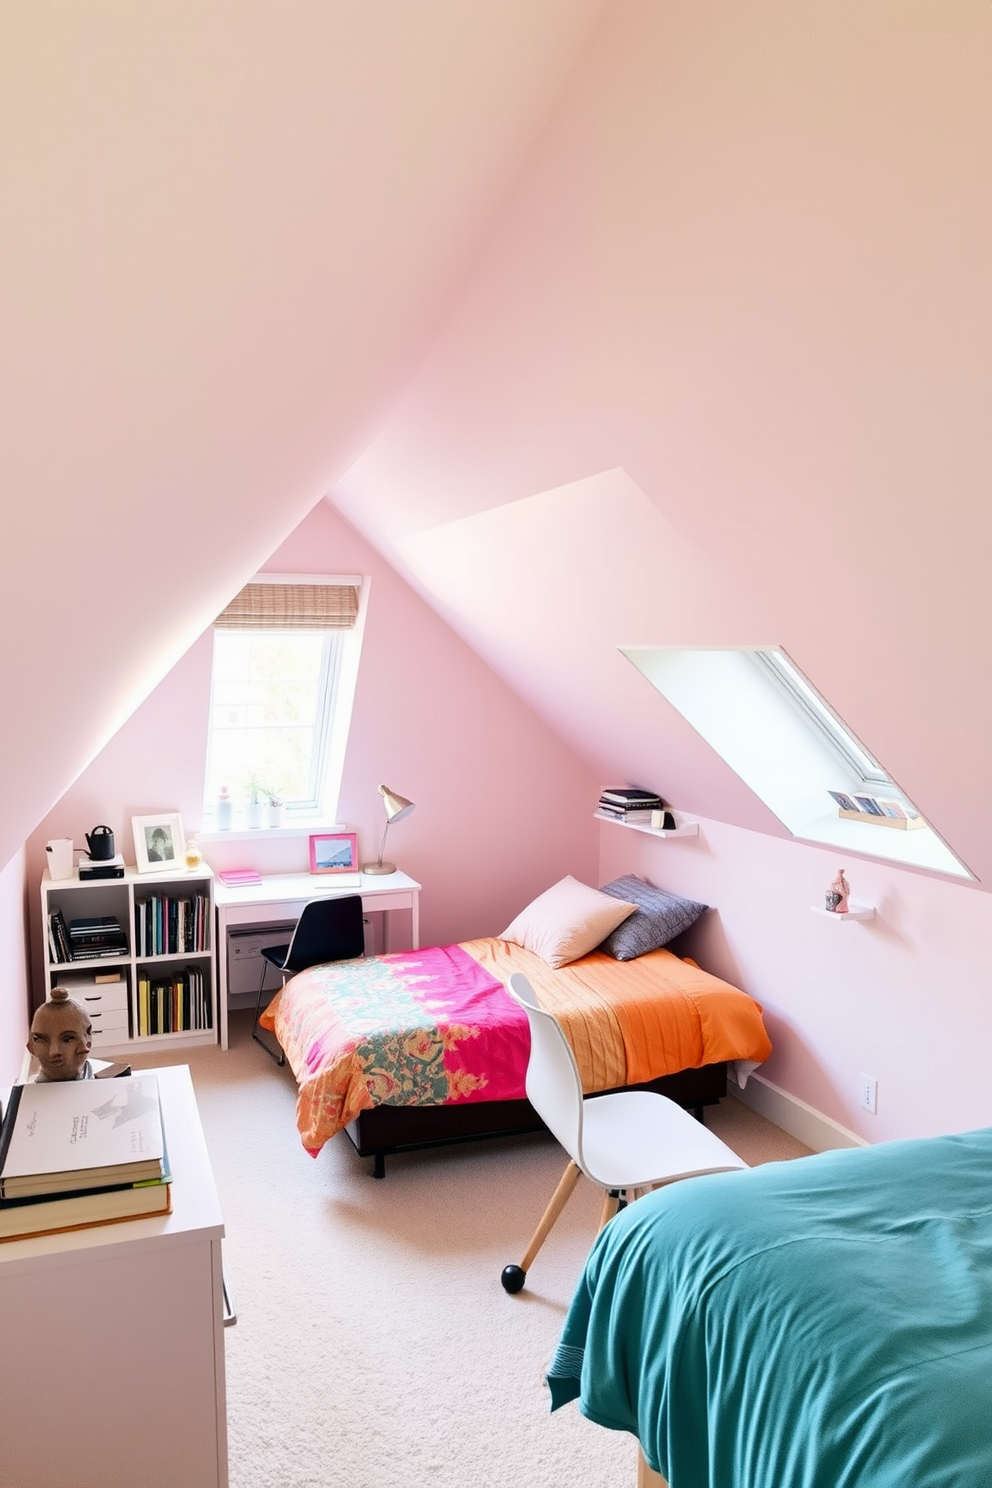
[{"x": 575, "y": 329}]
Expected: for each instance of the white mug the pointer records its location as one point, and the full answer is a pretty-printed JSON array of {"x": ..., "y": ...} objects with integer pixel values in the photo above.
[{"x": 59, "y": 852}]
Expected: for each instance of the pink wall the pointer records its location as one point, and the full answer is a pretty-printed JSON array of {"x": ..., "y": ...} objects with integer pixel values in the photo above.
[
  {"x": 226, "y": 235},
  {"x": 747, "y": 270},
  {"x": 903, "y": 997},
  {"x": 502, "y": 808},
  {"x": 719, "y": 378},
  {"x": 15, "y": 897}
]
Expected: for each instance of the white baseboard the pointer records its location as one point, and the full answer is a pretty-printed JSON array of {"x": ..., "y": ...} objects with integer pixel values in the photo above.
[{"x": 794, "y": 1116}]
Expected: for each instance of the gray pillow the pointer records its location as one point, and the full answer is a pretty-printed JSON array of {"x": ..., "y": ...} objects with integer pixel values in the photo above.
[{"x": 658, "y": 918}]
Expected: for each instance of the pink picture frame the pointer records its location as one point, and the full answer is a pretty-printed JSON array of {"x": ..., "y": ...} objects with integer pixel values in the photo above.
[{"x": 334, "y": 852}]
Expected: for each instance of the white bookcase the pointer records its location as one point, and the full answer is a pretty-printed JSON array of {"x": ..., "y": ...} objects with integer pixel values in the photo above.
[{"x": 119, "y": 1010}]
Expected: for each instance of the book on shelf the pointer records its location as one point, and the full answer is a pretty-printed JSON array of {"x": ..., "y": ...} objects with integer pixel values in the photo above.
[
  {"x": 630, "y": 796},
  {"x": 22, "y": 1218},
  {"x": 66, "y": 1135},
  {"x": 88, "y": 867},
  {"x": 175, "y": 1003},
  {"x": 877, "y": 809},
  {"x": 99, "y": 935},
  {"x": 165, "y": 925},
  {"x": 58, "y": 936},
  {"x": 629, "y": 812}
]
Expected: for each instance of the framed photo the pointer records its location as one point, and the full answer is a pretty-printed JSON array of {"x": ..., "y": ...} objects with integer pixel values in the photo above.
[
  {"x": 159, "y": 842},
  {"x": 334, "y": 852}
]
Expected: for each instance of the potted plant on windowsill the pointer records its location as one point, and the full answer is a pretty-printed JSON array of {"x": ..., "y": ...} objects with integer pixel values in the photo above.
[
  {"x": 257, "y": 794},
  {"x": 276, "y": 808}
]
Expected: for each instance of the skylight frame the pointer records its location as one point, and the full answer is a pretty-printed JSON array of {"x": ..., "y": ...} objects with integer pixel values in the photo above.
[{"x": 819, "y": 715}]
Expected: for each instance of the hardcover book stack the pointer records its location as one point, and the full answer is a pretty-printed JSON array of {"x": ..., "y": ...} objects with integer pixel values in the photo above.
[
  {"x": 96, "y": 936},
  {"x": 626, "y": 804},
  {"x": 76, "y": 1153}
]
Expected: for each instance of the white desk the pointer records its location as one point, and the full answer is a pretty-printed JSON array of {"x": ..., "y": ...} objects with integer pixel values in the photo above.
[
  {"x": 113, "y": 1369},
  {"x": 282, "y": 897}
]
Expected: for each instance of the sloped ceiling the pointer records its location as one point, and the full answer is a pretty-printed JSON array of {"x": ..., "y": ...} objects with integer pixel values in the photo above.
[
  {"x": 227, "y": 231},
  {"x": 722, "y": 377},
  {"x": 637, "y": 322}
]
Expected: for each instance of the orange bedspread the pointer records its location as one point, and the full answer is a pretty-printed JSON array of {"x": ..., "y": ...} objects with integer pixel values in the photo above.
[
  {"x": 437, "y": 1026},
  {"x": 632, "y": 1021}
]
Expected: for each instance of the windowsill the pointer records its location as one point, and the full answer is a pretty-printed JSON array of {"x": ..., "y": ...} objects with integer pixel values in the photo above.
[
  {"x": 919, "y": 849},
  {"x": 242, "y": 833}
]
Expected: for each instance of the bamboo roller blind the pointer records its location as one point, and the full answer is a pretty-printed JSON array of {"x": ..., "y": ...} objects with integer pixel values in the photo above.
[{"x": 291, "y": 607}]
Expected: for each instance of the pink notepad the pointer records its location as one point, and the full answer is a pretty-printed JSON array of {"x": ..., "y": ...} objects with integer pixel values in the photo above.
[{"x": 235, "y": 876}]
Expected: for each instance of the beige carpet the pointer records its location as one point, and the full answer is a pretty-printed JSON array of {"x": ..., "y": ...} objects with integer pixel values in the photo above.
[{"x": 374, "y": 1344}]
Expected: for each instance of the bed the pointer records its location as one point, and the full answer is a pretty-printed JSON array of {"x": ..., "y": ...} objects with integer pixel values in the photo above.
[
  {"x": 819, "y": 1323},
  {"x": 426, "y": 1046}
]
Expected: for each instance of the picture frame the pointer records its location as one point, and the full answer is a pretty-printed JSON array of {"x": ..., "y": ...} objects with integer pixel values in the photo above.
[
  {"x": 159, "y": 842},
  {"x": 334, "y": 852}
]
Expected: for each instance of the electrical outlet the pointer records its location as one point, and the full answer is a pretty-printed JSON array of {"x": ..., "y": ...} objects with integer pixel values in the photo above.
[{"x": 869, "y": 1094}]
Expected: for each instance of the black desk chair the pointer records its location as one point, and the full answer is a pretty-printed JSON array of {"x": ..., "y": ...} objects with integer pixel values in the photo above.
[{"x": 331, "y": 929}]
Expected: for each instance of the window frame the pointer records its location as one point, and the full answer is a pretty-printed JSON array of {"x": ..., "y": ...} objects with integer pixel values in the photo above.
[
  {"x": 819, "y": 716},
  {"x": 338, "y": 679}
]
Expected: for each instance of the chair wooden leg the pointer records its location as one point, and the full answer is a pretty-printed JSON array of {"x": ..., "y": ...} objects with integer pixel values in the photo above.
[
  {"x": 611, "y": 1204},
  {"x": 280, "y": 1057},
  {"x": 559, "y": 1199}
]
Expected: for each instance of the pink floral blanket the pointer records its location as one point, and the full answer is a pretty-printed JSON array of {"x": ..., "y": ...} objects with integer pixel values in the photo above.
[{"x": 419, "y": 1028}]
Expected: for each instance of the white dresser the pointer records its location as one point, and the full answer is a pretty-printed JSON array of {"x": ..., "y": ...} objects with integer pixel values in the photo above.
[{"x": 112, "y": 1365}]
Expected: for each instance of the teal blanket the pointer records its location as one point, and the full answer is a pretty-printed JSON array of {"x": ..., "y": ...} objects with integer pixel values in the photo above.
[{"x": 822, "y": 1323}]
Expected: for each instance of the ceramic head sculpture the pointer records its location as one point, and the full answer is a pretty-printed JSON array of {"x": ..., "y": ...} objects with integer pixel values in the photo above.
[{"x": 61, "y": 1037}]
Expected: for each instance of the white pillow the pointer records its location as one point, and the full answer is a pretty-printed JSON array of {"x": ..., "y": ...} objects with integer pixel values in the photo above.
[{"x": 567, "y": 921}]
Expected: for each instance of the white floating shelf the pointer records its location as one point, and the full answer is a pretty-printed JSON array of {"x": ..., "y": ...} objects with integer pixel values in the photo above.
[
  {"x": 856, "y": 912},
  {"x": 681, "y": 829}
]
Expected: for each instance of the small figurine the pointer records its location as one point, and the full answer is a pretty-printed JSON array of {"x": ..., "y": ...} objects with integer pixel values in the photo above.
[
  {"x": 837, "y": 894},
  {"x": 61, "y": 1038}
]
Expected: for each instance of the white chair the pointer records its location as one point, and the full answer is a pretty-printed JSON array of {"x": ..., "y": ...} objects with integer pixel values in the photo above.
[{"x": 626, "y": 1141}]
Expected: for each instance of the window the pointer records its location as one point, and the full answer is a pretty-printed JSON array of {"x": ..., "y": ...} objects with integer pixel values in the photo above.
[
  {"x": 773, "y": 728},
  {"x": 854, "y": 761},
  {"x": 284, "y": 667}
]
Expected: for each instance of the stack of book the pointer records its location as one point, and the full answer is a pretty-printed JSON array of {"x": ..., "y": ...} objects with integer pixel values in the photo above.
[
  {"x": 96, "y": 936},
  {"x": 75, "y": 1153},
  {"x": 623, "y": 803},
  {"x": 88, "y": 867}
]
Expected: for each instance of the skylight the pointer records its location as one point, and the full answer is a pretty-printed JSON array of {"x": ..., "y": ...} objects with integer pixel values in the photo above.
[{"x": 773, "y": 728}]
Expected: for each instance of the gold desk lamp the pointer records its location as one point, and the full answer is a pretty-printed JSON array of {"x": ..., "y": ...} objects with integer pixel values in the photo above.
[{"x": 397, "y": 807}]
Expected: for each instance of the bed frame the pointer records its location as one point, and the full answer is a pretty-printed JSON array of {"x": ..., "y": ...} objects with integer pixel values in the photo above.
[{"x": 383, "y": 1130}]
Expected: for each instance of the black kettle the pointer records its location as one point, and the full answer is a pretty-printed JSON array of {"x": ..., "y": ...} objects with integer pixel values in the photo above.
[{"x": 100, "y": 844}]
